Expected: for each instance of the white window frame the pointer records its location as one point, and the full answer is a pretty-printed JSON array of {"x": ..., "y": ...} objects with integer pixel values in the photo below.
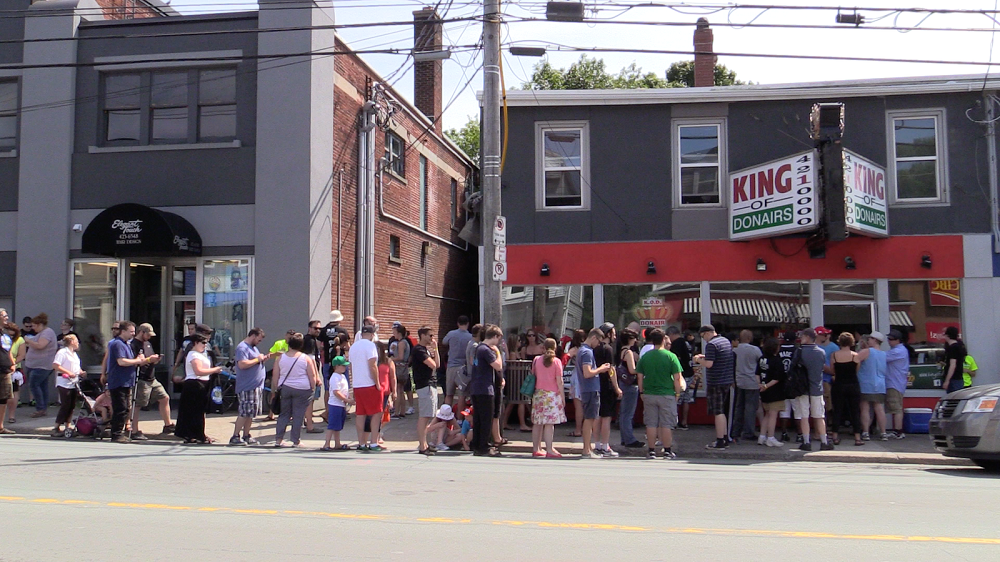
[
  {"x": 723, "y": 164},
  {"x": 940, "y": 157},
  {"x": 541, "y": 127}
]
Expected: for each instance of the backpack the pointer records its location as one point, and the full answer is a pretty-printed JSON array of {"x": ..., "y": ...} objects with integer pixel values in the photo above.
[
  {"x": 797, "y": 377},
  {"x": 6, "y": 365}
]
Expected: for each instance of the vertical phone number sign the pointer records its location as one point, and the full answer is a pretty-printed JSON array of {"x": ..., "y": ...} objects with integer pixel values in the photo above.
[{"x": 775, "y": 198}]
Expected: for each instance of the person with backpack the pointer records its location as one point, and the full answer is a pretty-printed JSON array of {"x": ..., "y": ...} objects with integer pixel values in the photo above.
[
  {"x": 629, "y": 385},
  {"x": 771, "y": 372},
  {"x": 400, "y": 350},
  {"x": 805, "y": 381},
  {"x": 786, "y": 351}
]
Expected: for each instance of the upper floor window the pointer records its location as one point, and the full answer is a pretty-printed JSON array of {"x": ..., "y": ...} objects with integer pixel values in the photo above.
[
  {"x": 8, "y": 116},
  {"x": 699, "y": 162},
  {"x": 423, "y": 192},
  {"x": 917, "y": 151},
  {"x": 169, "y": 107},
  {"x": 562, "y": 164},
  {"x": 395, "y": 153}
]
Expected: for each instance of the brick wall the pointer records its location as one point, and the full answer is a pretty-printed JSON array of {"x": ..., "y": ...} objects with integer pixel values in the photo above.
[
  {"x": 704, "y": 62},
  {"x": 399, "y": 287},
  {"x": 126, "y": 9},
  {"x": 427, "y": 75}
]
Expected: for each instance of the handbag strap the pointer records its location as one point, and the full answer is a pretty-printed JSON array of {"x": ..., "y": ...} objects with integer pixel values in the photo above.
[{"x": 282, "y": 381}]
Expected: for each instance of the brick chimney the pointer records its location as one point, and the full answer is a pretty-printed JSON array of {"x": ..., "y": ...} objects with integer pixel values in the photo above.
[
  {"x": 704, "y": 57},
  {"x": 427, "y": 36}
]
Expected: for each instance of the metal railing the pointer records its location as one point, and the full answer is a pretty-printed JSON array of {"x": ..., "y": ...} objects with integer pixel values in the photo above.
[{"x": 514, "y": 375}]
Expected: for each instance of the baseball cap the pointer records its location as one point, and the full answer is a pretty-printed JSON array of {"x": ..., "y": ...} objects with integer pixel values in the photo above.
[
  {"x": 145, "y": 327},
  {"x": 706, "y": 328},
  {"x": 822, "y": 331},
  {"x": 606, "y": 327},
  {"x": 790, "y": 336},
  {"x": 339, "y": 360},
  {"x": 877, "y": 335},
  {"x": 895, "y": 335},
  {"x": 366, "y": 329}
]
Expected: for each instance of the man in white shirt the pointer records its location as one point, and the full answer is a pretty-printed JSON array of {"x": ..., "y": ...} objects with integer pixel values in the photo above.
[{"x": 363, "y": 357}]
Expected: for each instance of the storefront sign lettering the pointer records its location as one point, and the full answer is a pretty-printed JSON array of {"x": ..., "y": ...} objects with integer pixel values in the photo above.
[
  {"x": 774, "y": 199},
  {"x": 945, "y": 292},
  {"x": 864, "y": 196},
  {"x": 654, "y": 312},
  {"x": 129, "y": 231}
]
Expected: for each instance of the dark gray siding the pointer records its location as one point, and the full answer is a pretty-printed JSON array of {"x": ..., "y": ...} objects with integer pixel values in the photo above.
[
  {"x": 631, "y": 160},
  {"x": 8, "y": 273},
  {"x": 167, "y": 177},
  {"x": 11, "y": 52}
]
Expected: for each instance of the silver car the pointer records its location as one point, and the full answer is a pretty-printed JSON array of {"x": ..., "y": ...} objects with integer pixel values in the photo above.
[{"x": 966, "y": 424}]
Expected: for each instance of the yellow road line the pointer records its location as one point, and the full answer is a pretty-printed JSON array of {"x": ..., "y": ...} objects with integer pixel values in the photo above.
[{"x": 520, "y": 524}]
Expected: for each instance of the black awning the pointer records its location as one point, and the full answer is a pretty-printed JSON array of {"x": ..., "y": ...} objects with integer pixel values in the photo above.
[{"x": 133, "y": 230}]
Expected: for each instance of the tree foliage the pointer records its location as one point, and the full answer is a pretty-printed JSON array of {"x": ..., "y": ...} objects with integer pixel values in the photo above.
[
  {"x": 681, "y": 74},
  {"x": 592, "y": 74},
  {"x": 467, "y": 138}
]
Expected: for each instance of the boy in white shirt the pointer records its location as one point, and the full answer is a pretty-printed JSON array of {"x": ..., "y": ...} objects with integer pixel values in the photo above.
[{"x": 337, "y": 407}]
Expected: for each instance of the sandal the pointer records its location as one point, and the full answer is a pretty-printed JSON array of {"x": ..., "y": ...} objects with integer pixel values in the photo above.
[
  {"x": 326, "y": 449},
  {"x": 858, "y": 443},
  {"x": 11, "y": 420},
  {"x": 574, "y": 434},
  {"x": 342, "y": 448}
]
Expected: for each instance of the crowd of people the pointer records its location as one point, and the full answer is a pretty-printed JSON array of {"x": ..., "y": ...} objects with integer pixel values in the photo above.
[{"x": 807, "y": 376}]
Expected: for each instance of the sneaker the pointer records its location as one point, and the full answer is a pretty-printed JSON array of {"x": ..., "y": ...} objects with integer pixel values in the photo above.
[
  {"x": 798, "y": 438},
  {"x": 609, "y": 453},
  {"x": 658, "y": 444},
  {"x": 784, "y": 436},
  {"x": 866, "y": 437},
  {"x": 899, "y": 435},
  {"x": 441, "y": 447},
  {"x": 250, "y": 440},
  {"x": 669, "y": 455},
  {"x": 651, "y": 454},
  {"x": 682, "y": 426},
  {"x": 826, "y": 446},
  {"x": 884, "y": 437},
  {"x": 763, "y": 440},
  {"x": 592, "y": 455},
  {"x": 122, "y": 439},
  {"x": 634, "y": 445},
  {"x": 378, "y": 448},
  {"x": 363, "y": 448},
  {"x": 428, "y": 452},
  {"x": 409, "y": 411},
  {"x": 805, "y": 447},
  {"x": 139, "y": 436},
  {"x": 235, "y": 440},
  {"x": 772, "y": 442},
  {"x": 719, "y": 444},
  {"x": 168, "y": 429}
]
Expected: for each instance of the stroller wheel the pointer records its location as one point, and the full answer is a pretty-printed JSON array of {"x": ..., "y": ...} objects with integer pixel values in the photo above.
[{"x": 68, "y": 432}]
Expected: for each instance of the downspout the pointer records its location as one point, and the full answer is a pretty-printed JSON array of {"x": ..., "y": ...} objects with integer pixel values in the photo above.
[
  {"x": 340, "y": 230},
  {"x": 360, "y": 238},
  {"x": 370, "y": 224},
  {"x": 991, "y": 148}
]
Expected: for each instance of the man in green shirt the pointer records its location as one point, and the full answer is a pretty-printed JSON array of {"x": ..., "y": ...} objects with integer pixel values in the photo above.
[{"x": 660, "y": 381}]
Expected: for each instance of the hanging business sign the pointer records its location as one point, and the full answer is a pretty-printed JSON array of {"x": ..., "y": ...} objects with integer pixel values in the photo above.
[
  {"x": 945, "y": 292},
  {"x": 864, "y": 196},
  {"x": 774, "y": 199}
]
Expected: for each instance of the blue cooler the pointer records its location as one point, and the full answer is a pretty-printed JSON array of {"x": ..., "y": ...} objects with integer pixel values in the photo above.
[{"x": 916, "y": 420}]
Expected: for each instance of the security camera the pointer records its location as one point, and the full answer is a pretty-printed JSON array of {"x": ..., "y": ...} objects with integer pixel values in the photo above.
[{"x": 77, "y": 227}]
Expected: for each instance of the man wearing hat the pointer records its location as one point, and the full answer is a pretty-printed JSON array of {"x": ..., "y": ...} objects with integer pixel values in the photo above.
[
  {"x": 871, "y": 378},
  {"x": 148, "y": 389},
  {"x": 954, "y": 360},
  {"x": 829, "y": 348},
  {"x": 897, "y": 370}
]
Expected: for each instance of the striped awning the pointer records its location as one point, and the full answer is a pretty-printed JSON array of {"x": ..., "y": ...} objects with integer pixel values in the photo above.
[
  {"x": 900, "y": 318},
  {"x": 766, "y": 311}
]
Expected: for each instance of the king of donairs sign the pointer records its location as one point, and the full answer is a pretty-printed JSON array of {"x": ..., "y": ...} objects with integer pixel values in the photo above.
[
  {"x": 864, "y": 196},
  {"x": 774, "y": 199}
]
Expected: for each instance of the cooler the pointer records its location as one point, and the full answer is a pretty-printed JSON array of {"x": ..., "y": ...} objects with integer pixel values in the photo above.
[{"x": 916, "y": 420}]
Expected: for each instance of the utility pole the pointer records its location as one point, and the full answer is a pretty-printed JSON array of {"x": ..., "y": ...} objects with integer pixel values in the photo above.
[{"x": 491, "y": 157}]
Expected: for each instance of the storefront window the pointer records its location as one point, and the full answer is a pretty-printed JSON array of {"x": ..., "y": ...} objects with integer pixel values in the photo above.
[
  {"x": 184, "y": 281},
  {"x": 921, "y": 311},
  {"x": 766, "y": 309},
  {"x": 95, "y": 301},
  {"x": 226, "y": 303},
  {"x": 556, "y": 310},
  {"x": 653, "y": 306},
  {"x": 848, "y": 292}
]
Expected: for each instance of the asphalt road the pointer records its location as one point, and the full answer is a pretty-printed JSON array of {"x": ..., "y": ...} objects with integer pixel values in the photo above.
[{"x": 100, "y": 501}]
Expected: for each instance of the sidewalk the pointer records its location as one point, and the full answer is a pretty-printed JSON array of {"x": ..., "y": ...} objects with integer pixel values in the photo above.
[{"x": 401, "y": 436}]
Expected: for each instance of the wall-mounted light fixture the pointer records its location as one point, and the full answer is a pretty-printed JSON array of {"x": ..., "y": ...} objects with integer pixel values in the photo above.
[
  {"x": 761, "y": 264},
  {"x": 925, "y": 261},
  {"x": 651, "y": 268},
  {"x": 849, "y": 263},
  {"x": 545, "y": 271}
]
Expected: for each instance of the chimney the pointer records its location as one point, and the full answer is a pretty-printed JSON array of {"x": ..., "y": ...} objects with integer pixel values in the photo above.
[
  {"x": 704, "y": 55},
  {"x": 427, "y": 36}
]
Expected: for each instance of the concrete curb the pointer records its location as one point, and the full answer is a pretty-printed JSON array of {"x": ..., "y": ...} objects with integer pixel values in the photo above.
[{"x": 729, "y": 454}]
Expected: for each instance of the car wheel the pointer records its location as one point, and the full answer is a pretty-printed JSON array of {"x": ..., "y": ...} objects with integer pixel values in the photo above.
[{"x": 991, "y": 465}]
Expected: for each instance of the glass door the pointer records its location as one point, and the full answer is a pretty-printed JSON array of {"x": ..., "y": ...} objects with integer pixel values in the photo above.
[
  {"x": 182, "y": 312},
  {"x": 95, "y": 307},
  {"x": 854, "y": 318}
]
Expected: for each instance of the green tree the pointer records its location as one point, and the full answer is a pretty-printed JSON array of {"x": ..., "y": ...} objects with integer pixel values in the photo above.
[
  {"x": 591, "y": 74},
  {"x": 467, "y": 138},
  {"x": 681, "y": 75}
]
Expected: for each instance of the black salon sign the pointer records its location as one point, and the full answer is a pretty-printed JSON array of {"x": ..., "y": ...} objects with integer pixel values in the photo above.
[{"x": 133, "y": 230}]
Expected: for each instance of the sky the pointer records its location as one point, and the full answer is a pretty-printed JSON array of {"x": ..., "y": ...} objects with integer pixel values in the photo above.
[{"x": 462, "y": 77}]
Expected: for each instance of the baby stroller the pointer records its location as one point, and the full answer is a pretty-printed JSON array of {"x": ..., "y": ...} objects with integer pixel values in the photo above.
[{"x": 88, "y": 423}]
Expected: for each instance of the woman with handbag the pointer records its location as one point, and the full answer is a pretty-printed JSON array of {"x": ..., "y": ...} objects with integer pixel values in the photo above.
[
  {"x": 629, "y": 386},
  {"x": 198, "y": 372},
  {"x": 548, "y": 403},
  {"x": 294, "y": 379}
]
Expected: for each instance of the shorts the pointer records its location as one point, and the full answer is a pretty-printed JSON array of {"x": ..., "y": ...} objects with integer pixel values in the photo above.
[
  {"x": 893, "y": 401},
  {"x": 250, "y": 402},
  {"x": 717, "y": 394},
  {"x": 327, "y": 371},
  {"x": 828, "y": 396},
  {"x": 427, "y": 401},
  {"x": 787, "y": 412},
  {"x": 876, "y": 398},
  {"x": 659, "y": 410},
  {"x": 687, "y": 397},
  {"x": 6, "y": 389},
  {"x": 367, "y": 401},
  {"x": 809, "y": 406},
  {"x": 148, "y": 392},
  {"x": 574, "y": 388},
  {"x": 609, "y": 403},
  {"x": 775, "y": 406},
  {"x": 454, "y": 384},
  {"x": 591, "y": 405},
  {"x": 403, "y": 377},
  {"x": 336, "y": 416}
]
